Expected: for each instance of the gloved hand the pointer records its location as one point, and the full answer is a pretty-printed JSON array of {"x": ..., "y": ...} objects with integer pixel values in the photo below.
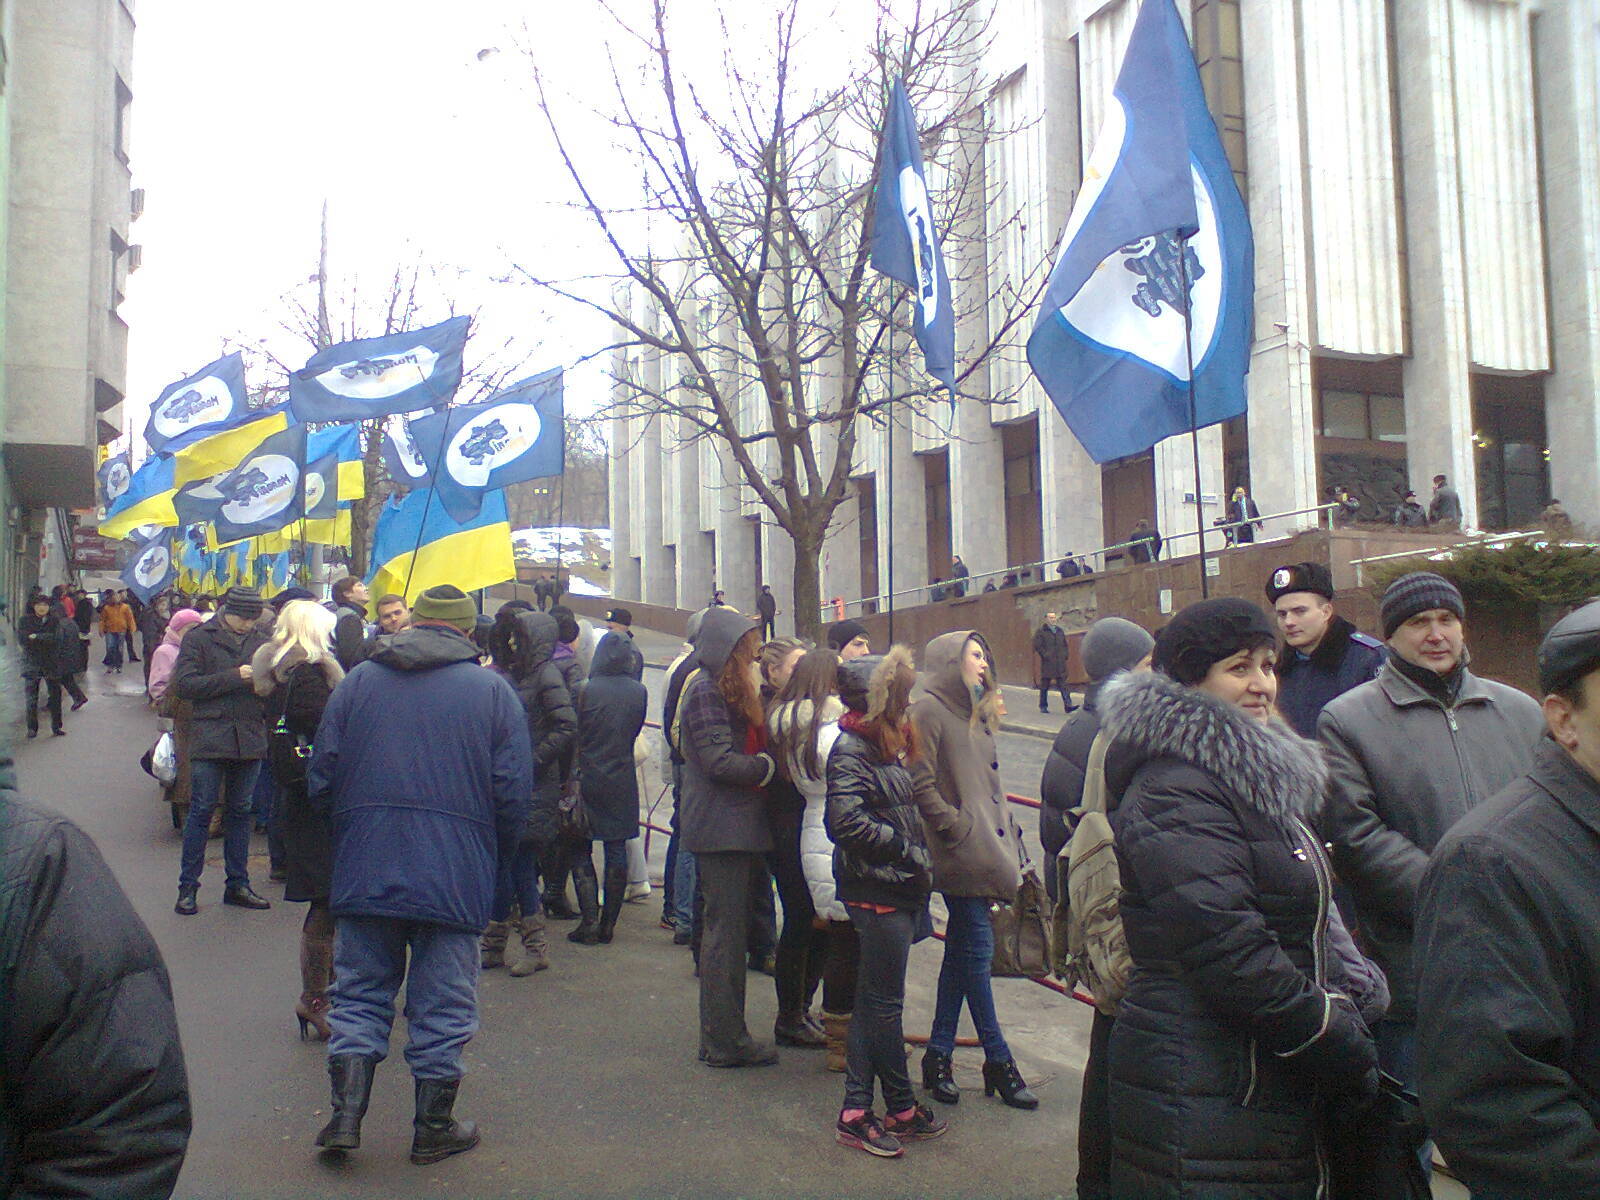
[{"x": 1343, "y": 1058}]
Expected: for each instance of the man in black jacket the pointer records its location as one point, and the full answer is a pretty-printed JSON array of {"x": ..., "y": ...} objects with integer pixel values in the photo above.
[
  {"x": 93, "y": 1096},
  {"x": 1050, "y": 644},
  {"x": 228, "y": 740},
  {"x": 1324, "y": 655},
  {"x": 1508, "y": 951},
  {"x": 350, "y": 598},
  {"x": 43, "y": 637},
  {"x": 767, "y": 609}
]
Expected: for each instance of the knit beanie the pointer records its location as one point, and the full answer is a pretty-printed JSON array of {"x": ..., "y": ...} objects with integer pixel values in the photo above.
[
  {"x": 448, "y": 603},
  {"x": 244, "y": 602},
  {"x": 1418, "y": 592},
  {"x": 842, "y": 633},
  {"x": 1114, "y": 644},
  {"x": 1208, "y": 632}
]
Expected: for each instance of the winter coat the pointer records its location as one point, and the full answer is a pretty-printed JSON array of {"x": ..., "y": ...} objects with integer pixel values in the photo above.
[
  {"x": 1508, "y": 972},
  {"x": 116, "y": 617},
  {"x": 1411, "y": 515},
  {"x": 228, "y": 719},
  {"x": 83, "y": 613},
  {"x": 297, "y": 689},
  {"x": 152, "y": 628},
  {"x": 1445, "y": 505},
  {"x": 816, "y": 847},
  {"x": 678, "y": 673},
  {"x": 722, "y": 804},
  {"x": 423, "y": 760},
  {"x": 1344, "y": 658},
  {"x": 93, "y": 1097},
  {"x": 610, "y": 720},
  {"x": 349, "y": 636},
  {"x": 1232, "y": 1023},
  {"x": 1050, "y": 644},
  {"x": 165, "y": 656},
  {"x": 880, "y": 853},
  {"x": 767, "y": 605},
  {"x": 975, "y": 841},
  {"x": 1405, "y": 768},
  {"x": 48, "y": 644},
  {"x": 552, "y": 717},
  {"x": 1061, "y": 785}
]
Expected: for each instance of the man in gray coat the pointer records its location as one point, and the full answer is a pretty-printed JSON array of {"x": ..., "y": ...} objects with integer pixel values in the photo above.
[{"x": 1410, "y": 753}]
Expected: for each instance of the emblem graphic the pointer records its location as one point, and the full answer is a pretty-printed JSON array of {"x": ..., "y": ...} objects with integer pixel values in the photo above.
[{"x": 1161, "y": 260}]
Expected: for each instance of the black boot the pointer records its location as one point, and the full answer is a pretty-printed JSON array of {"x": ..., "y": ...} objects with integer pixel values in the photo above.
[
  {"x": 588, "y": 888},
  {"x": 555, "y": 894},
  {"x": 611, "y": 905},
  {"x": 352, "y": 1088},
  {"x": 1003, "y": 1077},
  {"x": 435, "y": 1133},
  {"x": 939, "y": 1079}
]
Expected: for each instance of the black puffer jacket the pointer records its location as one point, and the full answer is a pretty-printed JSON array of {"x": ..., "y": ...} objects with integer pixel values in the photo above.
[
  {"x": 93, "y": 1097},
  {"x": 45, "y": 648},
  {"x": 609, "y": 722},
  {"x": 1061, "y": 785},
  {"x": 1235, "y": 1020},
  {"x": 229, "y": 721},
  {"x": 552, "y": 723}
]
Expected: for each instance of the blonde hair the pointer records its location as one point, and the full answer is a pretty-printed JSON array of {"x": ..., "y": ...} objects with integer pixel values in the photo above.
[{"x": 304, "y": 625}]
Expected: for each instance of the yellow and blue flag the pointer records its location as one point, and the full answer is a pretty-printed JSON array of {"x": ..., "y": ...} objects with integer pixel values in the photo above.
[
  {"x": 418, "y": 544},
  {"x": 218, "y": 453},
  {"x": 147, "y": 500},
  {"x": 210, "y": 400}
]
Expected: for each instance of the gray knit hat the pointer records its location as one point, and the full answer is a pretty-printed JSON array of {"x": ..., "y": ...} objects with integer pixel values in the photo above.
[
  {"x": 1418, "y": 592},
  {"x": 1114, "y": 644},
  {"x": 243, "y": 602}
]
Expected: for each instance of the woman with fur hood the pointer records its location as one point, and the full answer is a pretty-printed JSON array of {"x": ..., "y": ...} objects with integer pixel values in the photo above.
[
  {"x": 295, "y": 673},
  {"x": 1244, "y": 1013},
  {"x": 977, "y": 853}
]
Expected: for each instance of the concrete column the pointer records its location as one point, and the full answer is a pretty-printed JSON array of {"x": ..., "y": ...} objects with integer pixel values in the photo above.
[
  {"x": 977, "y": 491},
  {"x": 736, "y": 547},
  {"x": 1567, "y": 81},
  {"x": 1071, "y": 483},
  {"x": 624, "y": 567},
  {"x": 909, "y": 524},
  {"x": 694, "y": 549},
  {"x": 1174, "y": 469},
  {"x": 1281, "y": 421},
  {"x": 1437, "y": 384},
  {"x": 660, "y": 585}
]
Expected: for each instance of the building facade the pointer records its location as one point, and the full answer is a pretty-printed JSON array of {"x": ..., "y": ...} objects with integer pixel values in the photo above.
[
  {"x": 1423, "y": 181},
  {"x": 65, "y": 100}
]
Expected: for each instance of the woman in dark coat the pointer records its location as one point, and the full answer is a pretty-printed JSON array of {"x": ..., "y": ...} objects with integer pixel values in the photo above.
[
  {"x": 1242, "y": 1016},
  {"x": 295, "y": 674},
  {"x": 609, "y": 720},
  {"x": 43, "y": 632}
]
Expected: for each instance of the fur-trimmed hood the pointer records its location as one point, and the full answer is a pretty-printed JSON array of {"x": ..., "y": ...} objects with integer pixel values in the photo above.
[
  {"x": 864, "y": 682},
  {"x": 1270, "y": 768},
  {"x": 266, "y": 675}
]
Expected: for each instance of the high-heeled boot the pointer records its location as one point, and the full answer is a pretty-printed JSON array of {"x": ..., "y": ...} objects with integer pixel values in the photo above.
[
  {"x": 1003, "y": 1077},
  {"x": 555, "y": 893},
  {"x": 611, "y": 904},
  {"x": 316, "y": 971},
  {"x": 938, "y": 1076},
  {"x": 588, "y": 888}
]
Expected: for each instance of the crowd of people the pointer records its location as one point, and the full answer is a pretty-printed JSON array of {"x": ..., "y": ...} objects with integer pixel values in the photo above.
[{"x": 1349, "y": 871}]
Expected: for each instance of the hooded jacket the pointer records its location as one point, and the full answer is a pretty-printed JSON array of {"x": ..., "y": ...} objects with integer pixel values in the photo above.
[
  {"x": 424, "y": 762},
  {"x": 613, "y": 712},
  {"x": 1236, "y": 1014},
  {"x": 723, "y": 804},
  {"x": 552, "y": 718},
  {"x": 228, "y": 721},
  {"x": 816, "y": 847},
  {"x": 975, "y": 841},
  {"x": 165, "y": 656},
  {"x": 1061, "y": 784},
  {"x": 1345, "y": 658},
  {"x": 1405, "y": 768}
]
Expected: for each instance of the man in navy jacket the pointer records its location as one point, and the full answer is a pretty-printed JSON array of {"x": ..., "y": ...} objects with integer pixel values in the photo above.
[{"x": 424, "y": 764}]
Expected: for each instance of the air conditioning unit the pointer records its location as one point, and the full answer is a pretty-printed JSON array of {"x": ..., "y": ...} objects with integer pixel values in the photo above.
[
  {"x": 136, "y": 203},
  {"x": 135, "y": 258}
]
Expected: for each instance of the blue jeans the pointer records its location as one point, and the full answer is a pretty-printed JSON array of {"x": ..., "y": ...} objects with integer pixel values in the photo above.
[
  {"x": 232, "y": 782},
  {"x": 964, "y": 976},
  {"x": 518, "y": 882},
  {"x": 369, "y": 965},
  {"x": 685, "y": 877},
  {"x": 113, "y": 657}
]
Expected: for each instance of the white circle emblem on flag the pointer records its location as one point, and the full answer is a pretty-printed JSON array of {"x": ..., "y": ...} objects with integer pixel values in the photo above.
[
  {"x": 405, "y": 445},
  {"x": 117, "y": 480},
  {"x": 490, "y": 440},
  {"x": 918, "y": 216},
  {"x": 380, "y": 377},
  {"x": 202, "y": 402},
  {"x": 152, "y": 566},
  {"x": 265, "y": 486},
  {"x": 316, "y": 489}
]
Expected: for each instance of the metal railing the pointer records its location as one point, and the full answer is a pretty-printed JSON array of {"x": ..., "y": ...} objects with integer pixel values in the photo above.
[
  {"x": 1468, "y": 540},
  {"x": 1044, "y": 570}
]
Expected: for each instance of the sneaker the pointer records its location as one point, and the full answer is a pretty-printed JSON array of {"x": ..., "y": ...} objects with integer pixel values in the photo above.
[
  {"x": 186, "y": 906},
  {"x": 77, "y": 704},
  {"x": 865, "y": 1133},
  {"x": 636, "y": 892},
  {"x": 920, "y": 1126}
]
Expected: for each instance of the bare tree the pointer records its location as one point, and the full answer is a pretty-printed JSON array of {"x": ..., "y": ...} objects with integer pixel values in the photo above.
[{"x": 742, "y": 267}]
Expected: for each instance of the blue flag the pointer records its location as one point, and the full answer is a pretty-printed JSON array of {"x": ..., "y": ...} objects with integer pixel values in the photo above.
[
  {"x": 152, "y": 569},
  {"x": 904, "y": 243},
  {"x": 261, "y": 495},
  {"x": 209, "y": 401},
  {"x": 115, "y": 474},
  {"x": 1158, "y": 207},
  {"x": 401, "y": 455},
  {"x": 326, "y": 449},
  {"x": 513, "y": 436},
  {"x": 373, "y": 377}
]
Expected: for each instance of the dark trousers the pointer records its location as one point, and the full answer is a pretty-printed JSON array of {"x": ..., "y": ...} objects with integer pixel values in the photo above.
[
  {"x": 839, "y": 972},
  {"x": 1059, "y": 682},
  {"x": 769, "y": 628},
  {"x": 74, "y": 689},
  {"x": 52, "y": 691},
  {"x": 801, "y": 949},
  {"x": 763, "y": 927},
  {"x": 877, "y": 1047},
  {"x": 1094, "y": 1114},
  {"x": 517, "y": 883},
  {"x": 725, "y": 888}
]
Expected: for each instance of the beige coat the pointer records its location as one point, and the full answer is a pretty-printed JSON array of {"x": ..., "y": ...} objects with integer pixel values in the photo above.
[{"x": 974, "y": 838}]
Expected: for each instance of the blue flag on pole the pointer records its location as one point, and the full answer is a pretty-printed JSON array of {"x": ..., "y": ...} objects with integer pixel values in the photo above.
[
  {"x": 1158, "y": 206},
  {"x": 152, "y": 569},
  {"x": 513, "y": 436},
  {"x": 209, "y": 401},
  {"x": 261, "y": 495},
  {"x": 114, "y": 475},
  {"x": 401, "y": 454},
  {"x": 904, "y": 243},
  {"x": 372, "y": 377}
]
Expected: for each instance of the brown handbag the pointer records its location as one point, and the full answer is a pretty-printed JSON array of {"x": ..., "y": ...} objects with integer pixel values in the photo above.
[{"x": 1021, "y": 932}]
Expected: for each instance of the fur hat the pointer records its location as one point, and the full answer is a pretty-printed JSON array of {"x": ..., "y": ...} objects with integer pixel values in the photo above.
[
  {"x": 1300, "y": 577},
  {"x": 1208, "y": 632},
  {"x": 864, "y": 682}
]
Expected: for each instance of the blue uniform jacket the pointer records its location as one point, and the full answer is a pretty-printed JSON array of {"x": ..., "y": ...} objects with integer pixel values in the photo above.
[{"x": 1344, "y": 658}]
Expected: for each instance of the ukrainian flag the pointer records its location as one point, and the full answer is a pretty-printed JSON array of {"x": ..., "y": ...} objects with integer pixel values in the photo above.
[
  {"x": 418, "y": 545},
  {"x": 222, "y": 452},
  {"x": 346, "y": 440},
  {"x": 148, "y": 500},
  {"x": 331, "y": 531}
]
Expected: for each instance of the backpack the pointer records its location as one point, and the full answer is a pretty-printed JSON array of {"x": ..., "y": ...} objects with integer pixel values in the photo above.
[
  {"x": 1091, "y": 949},
  {"x": 675, "y": 730},
  {"x": 288, "y": 752}
]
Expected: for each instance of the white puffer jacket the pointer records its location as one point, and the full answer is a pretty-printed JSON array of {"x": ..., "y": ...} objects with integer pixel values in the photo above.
[{"x": 816, "y": 848}]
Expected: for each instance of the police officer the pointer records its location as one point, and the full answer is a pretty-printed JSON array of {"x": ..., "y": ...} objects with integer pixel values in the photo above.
[{"x": 1324, "y": 656}]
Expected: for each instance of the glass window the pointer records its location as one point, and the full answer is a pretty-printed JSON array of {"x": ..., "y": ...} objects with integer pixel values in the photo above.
[
  {"x": 1388, "y": 418},
  {"x": 1344, "y": 415}
]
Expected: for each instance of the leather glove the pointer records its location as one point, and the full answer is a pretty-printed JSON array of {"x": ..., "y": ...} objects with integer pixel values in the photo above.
[{"x": 1342, "y": 1058}]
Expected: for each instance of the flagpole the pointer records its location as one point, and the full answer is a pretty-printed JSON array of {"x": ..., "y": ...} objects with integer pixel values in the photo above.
[
  {"x": 1194, "y": 432},
  {"x": 888, "y": 408}
]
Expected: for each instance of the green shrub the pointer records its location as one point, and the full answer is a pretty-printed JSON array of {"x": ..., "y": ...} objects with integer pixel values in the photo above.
[{"x": 1529, "y": 572}]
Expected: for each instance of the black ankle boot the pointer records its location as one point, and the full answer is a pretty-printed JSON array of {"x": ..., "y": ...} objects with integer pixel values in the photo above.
[
  {"x": 555, "y": 895},
  {"x": 1003, "y": 1077},
  {"x": 611, "y": 904},
  {"x": 588, "y": 931},
  {"x": 351, "y": 1075},
  {"x": 435, "y": 1134},
  {"x": 939, "y": 1078}
]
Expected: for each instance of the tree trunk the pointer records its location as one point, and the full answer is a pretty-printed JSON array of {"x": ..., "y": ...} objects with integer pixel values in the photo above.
[{"x": 807, "y": 597}]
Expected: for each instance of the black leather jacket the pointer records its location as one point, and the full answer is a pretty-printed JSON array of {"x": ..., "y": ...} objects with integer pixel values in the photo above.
[{"x": 879, "y": 853}]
